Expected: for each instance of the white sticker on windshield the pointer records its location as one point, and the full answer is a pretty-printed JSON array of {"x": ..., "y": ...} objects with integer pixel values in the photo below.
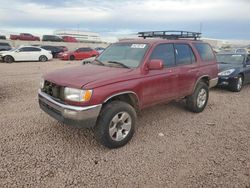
[
  {"x": 236, "y": 55},
  {"x": 138, "y": 45}
]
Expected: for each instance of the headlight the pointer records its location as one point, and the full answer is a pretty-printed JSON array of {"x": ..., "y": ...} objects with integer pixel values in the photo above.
[
  {"x": 226, "y": 72},
  {"x": 41, "y": 83},
  {"x": 77, "y": 95}
]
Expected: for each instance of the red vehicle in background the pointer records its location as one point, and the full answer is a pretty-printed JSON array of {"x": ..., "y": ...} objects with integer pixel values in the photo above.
[
  {"x": 25, "y": 36},
  {"x": 79, "y": 54},
  {"x": 69, "y": 39}
]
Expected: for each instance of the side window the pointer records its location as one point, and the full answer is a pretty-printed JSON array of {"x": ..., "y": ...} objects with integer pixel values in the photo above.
[
  {"x": 81, "y": 50},
  {"x": 205, "y": 51},
  {"x": 25, "y": 49},
  {"x": 164, "y": 52},
  {"x": 29, "y": 49},
  {"x": 86, "y": 49},
  {"x": 184, "y": 54},
  {"x": 34, "y": 49}
]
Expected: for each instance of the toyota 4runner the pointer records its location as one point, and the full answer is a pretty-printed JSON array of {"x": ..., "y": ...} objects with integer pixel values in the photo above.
[{"x": 128, "y": 76}]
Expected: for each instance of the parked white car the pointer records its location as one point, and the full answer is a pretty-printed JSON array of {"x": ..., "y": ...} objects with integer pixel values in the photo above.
[{"x": 26, "y": 53}]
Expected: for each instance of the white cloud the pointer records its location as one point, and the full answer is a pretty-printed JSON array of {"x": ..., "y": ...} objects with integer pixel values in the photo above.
[
  {"x": 123, "y": 15},
  {"x": 147, "y": 10}
]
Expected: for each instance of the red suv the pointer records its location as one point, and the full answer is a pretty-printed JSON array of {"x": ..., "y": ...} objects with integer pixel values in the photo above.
[
  {"x": 79, "y": 54},
  {"x": 127, "y": 77}
]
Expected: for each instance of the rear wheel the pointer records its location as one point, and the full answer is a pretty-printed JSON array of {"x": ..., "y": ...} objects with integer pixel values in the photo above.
[
  {"x": 72, "y": 57},
  {"x": 237, "y": 84},
  {"x": 198, "y": 100},
  {"x": 115, "y": 125},
  {"x": 8, "y": 59},
  {"x": 43, "y": 58}
]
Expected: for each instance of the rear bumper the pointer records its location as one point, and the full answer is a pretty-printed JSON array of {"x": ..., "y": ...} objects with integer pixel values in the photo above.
[{"x": 71, "y": 115}]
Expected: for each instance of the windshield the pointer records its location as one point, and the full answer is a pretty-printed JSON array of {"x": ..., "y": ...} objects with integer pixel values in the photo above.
[
  {"x": 13, "y": 49},
  {"x": 128, "y": 54},
  {"x": 230, "y": 58}
]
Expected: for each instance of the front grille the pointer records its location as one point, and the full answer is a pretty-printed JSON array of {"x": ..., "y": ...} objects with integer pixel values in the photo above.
[{"x": 53, "y": 90}]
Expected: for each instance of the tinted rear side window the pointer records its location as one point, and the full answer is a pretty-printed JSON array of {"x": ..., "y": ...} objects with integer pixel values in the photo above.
[
  {"x": 29, "y": 49},
  {"x": 184, "y": 54},
  {"x": 164, "y": 52},
  {"x": 85, "y": 49},
  {"x": 205, "y": 51}
]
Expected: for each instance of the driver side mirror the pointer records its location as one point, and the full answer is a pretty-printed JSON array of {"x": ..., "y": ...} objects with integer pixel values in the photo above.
[
  {"x": 155, "y": 64},
  {"x": 17, "y": 51}
]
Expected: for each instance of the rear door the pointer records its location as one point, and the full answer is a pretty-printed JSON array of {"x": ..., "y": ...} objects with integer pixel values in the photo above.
[
  {"x": 35, "y": 53},
  {"x": 161, "y": 85},
  {"x": 187, "y": 67}
]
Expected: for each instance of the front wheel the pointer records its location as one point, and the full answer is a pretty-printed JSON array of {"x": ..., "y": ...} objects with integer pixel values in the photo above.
[
  {"x": 116, "y": 124},
  {"x": 72, "y": 57},
  {"x": 43, "y": 58},
  {"x": 198, "y": 100},
  {"x": 8, "y": 59},
  {"x": 236, "y": 84}
]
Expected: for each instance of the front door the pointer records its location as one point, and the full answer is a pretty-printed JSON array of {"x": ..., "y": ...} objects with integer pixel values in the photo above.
[{"x": 161, "y": 85}]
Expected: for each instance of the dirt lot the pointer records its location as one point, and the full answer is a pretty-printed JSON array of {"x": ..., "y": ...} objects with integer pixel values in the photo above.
[{"x": 171, "y": 148}]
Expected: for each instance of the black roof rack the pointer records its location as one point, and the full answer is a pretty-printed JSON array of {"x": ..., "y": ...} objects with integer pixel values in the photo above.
[{"x": 170, "y": 34}]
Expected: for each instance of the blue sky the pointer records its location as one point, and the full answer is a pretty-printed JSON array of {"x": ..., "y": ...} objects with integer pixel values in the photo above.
[{"x": 225, "y": 19}]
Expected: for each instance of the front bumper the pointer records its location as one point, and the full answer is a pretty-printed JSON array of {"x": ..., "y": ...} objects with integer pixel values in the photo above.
[
  {"x": 71, "y": 115},
  {"x": 213, "y": 82},
  {"x": 226, "y": 81}
]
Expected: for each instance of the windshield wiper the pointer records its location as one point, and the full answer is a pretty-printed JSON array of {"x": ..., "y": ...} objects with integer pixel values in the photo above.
[
  {"x": 119, "y": 63},
  {"x": 98, "y": 61},
  {"x": 221, "y": 62}
]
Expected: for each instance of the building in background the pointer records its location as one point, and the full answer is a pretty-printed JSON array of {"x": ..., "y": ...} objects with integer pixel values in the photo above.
[{"x": 81, "y": 36}]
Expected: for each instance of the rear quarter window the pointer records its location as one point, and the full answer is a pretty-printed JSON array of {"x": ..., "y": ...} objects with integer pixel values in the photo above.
[{"x": 205, "y": 51}]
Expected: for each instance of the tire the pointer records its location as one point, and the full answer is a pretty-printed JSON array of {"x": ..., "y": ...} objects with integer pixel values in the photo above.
[
  {"x": 236, "y": 84},
  {"x": 116, "y": 124},
  {"x": 43, "y": 58},
  {"x": 8, "y": 59},
  {"x": 72, "y": 57},
  {"x": 198, "y": 100}
]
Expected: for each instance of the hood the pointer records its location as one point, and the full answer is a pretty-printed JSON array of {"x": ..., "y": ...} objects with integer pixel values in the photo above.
[
  {"x": 2, "y": 52},
  {"x": 223, "y": 67},
  {"x": 80, "y": 76}
]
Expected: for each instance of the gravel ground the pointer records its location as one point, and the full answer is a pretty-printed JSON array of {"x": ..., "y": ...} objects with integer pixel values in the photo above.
[{"x": 171, "y": 148}]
